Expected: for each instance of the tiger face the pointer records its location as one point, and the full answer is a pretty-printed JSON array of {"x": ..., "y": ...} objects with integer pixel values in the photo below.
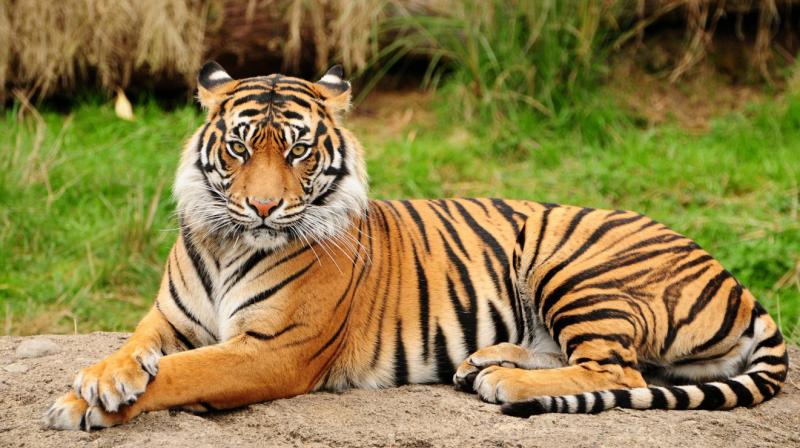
[{"x": 270, "y": 164}]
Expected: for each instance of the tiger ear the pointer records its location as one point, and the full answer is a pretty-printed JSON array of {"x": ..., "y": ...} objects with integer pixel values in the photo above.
[
  {"x": 213, "y": 84},
  {"x": 334, "y": 90}
]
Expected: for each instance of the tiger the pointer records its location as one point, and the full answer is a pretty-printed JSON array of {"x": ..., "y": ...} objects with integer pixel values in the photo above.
[{"x": 286, "y": 279}]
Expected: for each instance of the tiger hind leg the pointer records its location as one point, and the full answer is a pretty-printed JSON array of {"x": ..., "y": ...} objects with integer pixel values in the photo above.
[
  {"x": 506, "y": 355},
  {"x": 599, "y": 360}
]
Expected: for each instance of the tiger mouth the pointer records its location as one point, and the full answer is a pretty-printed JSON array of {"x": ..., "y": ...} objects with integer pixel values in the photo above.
[{"x": 263, "y": 229}]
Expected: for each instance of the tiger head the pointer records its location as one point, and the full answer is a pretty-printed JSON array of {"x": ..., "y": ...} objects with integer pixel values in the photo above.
[{"x": 271, "y": 163}]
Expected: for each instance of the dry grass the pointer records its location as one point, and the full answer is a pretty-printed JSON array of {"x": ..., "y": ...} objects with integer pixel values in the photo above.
[
  {"x": 341, "y": 30},
  {"x": 55, "y": 45},
  {"x": 702, "y": 17}
]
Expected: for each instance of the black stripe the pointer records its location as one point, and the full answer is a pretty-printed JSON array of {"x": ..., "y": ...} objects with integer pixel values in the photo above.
[
  {"x": 713, "y": 398},
  {"x": 267, "y": 337},
  {"x": 266, "y": 294},
  {"x": 731, "y": 312},
  {"x": 445, "y": 368},
  {"x": 581, "y": 408},
  {"x": 559, "y": 324},
  {"x": 281, "y": 99},
  {"x": 573, "y": 224},
  {"x": 743, "y": 395},
  {"x": 500, "y": 329},
  {"x": 299, "y": 89},
  {"x": 179, "y": 303},
  {"x": 400, "y": 362},
  {"x": 659, "y": 400},
  {"x": 692, "y": 263},
  {"x": 199, "y": 265},
  {"x": 709, "y": 292},
  {"x": 778, "y": 377},
  {"x": 622, "y": 398},
  {"x": 263, "y": 97},
  {"x": 771, "y": 342},
  {"x": 418, "y": 222},
  {"x": 613, "y": 359},
  {"x": 245, "y": 268},
  {"x": 450, "y": 231},
  {"x": 508, "y": 213},
  {"x": 443, "y": 203},
  {"x": 764, "y": 386},
  {"x": 539, "y": 239},
  {"x": 486, "y": 236},
  {"x": 290, "y": 115},
  {"x": 424, "y": 309},
  {"x": 769, "y": 359},
  {"x": 285, "y": 259},
  {"x": 478, "y": 203},
  {"x": 585, "y": 302},
  {"x": 467, "y": 316},
  {"x": 681, "y": 397},
  {"x": 599, "y": 404},
  {"x": 572, "y": 343},
  {"x": 334, "y": 337},
  {"x": 653, "y": 241},
  {"x": 179, "y": 336},
  {"x": 297, "y": 83},
  {"x": 248, "y": 112}
]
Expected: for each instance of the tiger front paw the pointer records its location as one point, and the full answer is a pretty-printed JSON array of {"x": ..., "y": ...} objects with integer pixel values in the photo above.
[
  {"x": 68, "y": 412},
  {"x": 71, "y": 412},
  {"x": 117, "y": 380},
  {"x": 504, "y": 354}
]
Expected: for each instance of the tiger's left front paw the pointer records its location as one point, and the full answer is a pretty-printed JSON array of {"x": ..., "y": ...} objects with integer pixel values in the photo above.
[
  {"x": 71, "y": 412},
  {"x": 119, "y": 379},
  {"x": 497, "y": 384}
]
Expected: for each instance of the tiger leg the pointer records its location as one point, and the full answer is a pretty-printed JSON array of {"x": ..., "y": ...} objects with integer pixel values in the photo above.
[
  {"x": 506, "y": 355},
  {"x": 240, "y": 371},
  {"x": 119, "y": 378},
  {"x": 601, "y": 359}
]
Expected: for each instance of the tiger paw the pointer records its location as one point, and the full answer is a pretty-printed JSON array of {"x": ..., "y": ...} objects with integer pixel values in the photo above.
[
  {"x": 70, "y": 412},
  {"x": 117, "y": 380},
  {"x": 497, "y": 384},
  {"x": 67, "y": 413},
  {"x": 505, "y": 354}
]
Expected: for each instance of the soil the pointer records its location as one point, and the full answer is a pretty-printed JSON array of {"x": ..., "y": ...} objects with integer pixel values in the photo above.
[{"x": 418, "y": 416}]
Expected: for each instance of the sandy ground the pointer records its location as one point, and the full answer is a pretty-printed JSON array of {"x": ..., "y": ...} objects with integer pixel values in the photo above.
[{"x": 417, "y": 416}]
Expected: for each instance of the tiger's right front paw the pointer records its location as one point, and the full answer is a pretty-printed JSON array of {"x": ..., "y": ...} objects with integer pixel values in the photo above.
[
  {"x": 68, "y": 413},
  {"x": 73, "y": 413},
  {"x": 117, "y": 380}
]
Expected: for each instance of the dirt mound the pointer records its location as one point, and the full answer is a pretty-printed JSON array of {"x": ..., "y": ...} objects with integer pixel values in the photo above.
[{"x": 417, "y": 416}]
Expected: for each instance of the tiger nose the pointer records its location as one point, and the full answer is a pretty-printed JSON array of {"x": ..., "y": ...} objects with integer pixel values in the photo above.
[{"x": 262, "y": 206}]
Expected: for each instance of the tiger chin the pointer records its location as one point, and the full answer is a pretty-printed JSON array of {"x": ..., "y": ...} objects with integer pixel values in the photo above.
[{"x": 285, "y": 279}]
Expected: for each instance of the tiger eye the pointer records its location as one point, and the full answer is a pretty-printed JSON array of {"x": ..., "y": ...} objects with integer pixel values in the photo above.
[
  {"x": 299, "y": 150},
  {"x": 238, "y": 148}
]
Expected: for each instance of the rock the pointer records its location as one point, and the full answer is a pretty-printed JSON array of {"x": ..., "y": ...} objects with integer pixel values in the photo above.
[
  {"x": 16, "y": 367},
  {"x": 36, "y": 347}
]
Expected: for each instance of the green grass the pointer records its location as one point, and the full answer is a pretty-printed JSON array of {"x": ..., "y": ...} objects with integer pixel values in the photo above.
[{"x": 86, "y": 216}]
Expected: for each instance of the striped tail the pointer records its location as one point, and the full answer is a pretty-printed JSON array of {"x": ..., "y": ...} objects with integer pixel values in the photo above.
[{"x": 763, "y": 377}]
